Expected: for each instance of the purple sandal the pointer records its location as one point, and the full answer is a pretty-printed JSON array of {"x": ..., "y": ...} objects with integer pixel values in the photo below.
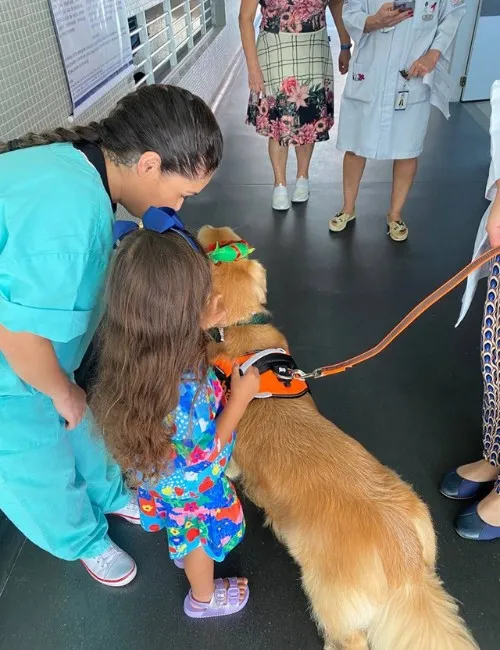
[{"x": 225, "y": 601}]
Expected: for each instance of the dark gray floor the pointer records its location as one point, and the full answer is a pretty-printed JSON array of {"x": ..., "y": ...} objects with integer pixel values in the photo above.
[{"x": 417, "y": 407}]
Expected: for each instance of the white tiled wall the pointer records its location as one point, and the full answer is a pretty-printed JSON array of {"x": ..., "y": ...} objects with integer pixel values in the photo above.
[{"x": 33, "y": 90}]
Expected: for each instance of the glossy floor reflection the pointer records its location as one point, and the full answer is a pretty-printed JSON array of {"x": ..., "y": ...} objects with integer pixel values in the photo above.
[{"x": 417, "y": 407}]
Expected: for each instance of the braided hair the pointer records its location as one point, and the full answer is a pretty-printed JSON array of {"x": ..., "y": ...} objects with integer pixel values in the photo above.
[
  {"x": 168, "y": 120},
  {"x": 89, "y": 133}
]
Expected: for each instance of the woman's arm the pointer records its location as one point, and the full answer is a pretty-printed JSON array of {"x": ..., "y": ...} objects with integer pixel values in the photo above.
[
  {"x": 248, "y": 11},
  {"x": 386, "y": 17},
  {"x": 33, "y": 360},
  {"x": 448, "y": 22},
  {"x": 344, "y": 38},
  {"x": 358, "y": 21},
  {"x": 336, "y": 7},
  {"x": 450, "y": 15}
]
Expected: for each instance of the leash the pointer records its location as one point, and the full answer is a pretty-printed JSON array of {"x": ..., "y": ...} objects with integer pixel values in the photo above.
[{"x": 409, "y": 319}]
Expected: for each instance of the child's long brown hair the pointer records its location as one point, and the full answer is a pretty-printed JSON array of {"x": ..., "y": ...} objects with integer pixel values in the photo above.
[{"x": 151, "y": 335}]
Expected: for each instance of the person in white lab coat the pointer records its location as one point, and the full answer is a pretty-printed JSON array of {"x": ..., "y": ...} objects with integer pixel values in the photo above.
[
  {"x": 481, "y": 521},
  {"x": 386, "y": 104}
]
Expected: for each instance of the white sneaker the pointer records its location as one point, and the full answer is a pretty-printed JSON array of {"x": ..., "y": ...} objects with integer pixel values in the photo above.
[
  {"x": 130, "y": 512},
  {"x": 280, "y": 198},
  {"x": 113, "y": 568},
  {"x": 302, "y": 191}
]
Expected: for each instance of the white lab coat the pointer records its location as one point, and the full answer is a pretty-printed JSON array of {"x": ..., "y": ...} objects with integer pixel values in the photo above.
[
  {"x": 482, "y": 243},
  {"x": 369, "y": 125}
]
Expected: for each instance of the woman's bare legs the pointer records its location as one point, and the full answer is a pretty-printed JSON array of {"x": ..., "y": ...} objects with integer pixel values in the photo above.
[
  {"x": 403, "y": 173},
  {"x": 353, "y": 168},
  {"x": 304, "y": 154},
  {"x": 279, "y": 158}
]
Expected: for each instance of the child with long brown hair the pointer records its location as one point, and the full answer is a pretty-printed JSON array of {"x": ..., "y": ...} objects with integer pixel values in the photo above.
[{"x": 159, "y": 404}]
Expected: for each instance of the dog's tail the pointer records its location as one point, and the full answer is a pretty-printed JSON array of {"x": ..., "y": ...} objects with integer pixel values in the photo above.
[{"x": 421, "y": 617}]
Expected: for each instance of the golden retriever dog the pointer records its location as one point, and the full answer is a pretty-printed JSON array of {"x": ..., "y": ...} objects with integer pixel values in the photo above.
[{"x": 366, "y": 550}]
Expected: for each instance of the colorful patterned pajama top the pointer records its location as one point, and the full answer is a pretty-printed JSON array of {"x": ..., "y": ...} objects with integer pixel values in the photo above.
[{"x": 194, "y": 500}]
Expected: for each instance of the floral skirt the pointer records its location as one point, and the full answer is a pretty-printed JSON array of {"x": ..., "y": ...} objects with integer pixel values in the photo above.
[
  {"x": 490, "y": 362},
  {"x": 214, "y": 520},
  {"x": 297, "y": 107}
]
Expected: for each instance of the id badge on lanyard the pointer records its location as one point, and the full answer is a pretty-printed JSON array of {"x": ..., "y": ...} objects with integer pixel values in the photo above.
[{"x": 402, "y": 95}]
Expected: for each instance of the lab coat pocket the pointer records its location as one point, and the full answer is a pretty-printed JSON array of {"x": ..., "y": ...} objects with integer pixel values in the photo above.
[
  {"x": 359, "y": 85},
  {"x": 418, "y": 91}
]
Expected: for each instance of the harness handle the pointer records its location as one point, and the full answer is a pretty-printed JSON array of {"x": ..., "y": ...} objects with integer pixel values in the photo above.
[
  {"x": 274, "y": 359},
  {"x": 409, "y": 319}
]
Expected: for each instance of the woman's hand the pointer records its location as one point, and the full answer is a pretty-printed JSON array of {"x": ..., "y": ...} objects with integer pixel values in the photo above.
[
  {"x": 424, "y": 64},
  {"x": 386, "y": 16},
  {"x": 493, "y": 224},
  {"x": 33, "y": 359},
  {"x": 256, "y": 80},
  {"x": 344, "y": 59},
  {"x": 71, "y": 405},
  {"x": 244, "y": 388}
]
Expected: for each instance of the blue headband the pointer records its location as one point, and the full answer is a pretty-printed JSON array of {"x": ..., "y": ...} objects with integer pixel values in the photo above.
[{"x": 159, "y": 220}]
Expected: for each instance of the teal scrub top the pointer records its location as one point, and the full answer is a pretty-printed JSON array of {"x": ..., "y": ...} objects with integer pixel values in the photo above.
[{"x": 56, "y": 240}]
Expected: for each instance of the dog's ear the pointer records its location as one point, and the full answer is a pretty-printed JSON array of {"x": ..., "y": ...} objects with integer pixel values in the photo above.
[{"x": 208, "y": 235}]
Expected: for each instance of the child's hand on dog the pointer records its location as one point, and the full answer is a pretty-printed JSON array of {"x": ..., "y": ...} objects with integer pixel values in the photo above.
[{"x": 244, "y": 387}]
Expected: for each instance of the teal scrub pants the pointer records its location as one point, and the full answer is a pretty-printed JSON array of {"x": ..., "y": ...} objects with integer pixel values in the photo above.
[{"x": 56, "y": 485}]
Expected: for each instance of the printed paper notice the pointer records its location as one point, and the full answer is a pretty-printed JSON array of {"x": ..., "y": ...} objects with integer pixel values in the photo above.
[{"x": 95, "y": 47}]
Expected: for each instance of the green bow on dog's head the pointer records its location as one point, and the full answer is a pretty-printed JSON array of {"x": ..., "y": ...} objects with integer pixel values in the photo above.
[{"x": 231, "y": 251}]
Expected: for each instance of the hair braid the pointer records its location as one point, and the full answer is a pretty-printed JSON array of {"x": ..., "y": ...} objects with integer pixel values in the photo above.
[
  {"x": 170, "y": 121},
  {"x": 90, "y": 133}
]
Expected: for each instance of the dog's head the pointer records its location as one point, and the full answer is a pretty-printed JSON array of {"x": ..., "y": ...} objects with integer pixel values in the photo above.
[{"x": 240, "y": 280}]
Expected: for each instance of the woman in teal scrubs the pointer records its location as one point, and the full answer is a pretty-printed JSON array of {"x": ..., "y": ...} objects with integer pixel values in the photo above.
[{"x": 58, "y": 194}]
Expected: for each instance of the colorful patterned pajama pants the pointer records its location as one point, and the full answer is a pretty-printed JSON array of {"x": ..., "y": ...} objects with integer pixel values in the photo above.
[{"x": 490, "y": 363}]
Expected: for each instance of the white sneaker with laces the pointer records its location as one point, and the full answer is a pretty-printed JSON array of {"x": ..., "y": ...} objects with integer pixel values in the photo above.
[
  {"x": 130, "y": 512},
  {"x": 302, "y": 191},
  {"x": 113, "y": 568},
  {"x": 280, "y": 198}
]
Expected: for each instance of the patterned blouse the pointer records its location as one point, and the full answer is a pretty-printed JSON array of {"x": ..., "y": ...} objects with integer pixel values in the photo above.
[{"x": 295, "y": 16}]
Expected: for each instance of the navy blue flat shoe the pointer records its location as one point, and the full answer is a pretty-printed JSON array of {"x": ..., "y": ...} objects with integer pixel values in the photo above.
[
  {"x": 453, "y": 486},
  {"x": 469, "y": 525}
]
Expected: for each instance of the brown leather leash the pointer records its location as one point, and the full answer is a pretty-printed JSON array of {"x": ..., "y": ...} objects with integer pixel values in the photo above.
[{"x": 411, "y": 317}]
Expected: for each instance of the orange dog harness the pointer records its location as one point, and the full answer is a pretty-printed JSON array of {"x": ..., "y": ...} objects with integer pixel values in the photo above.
[{"x": 277, "y": 373}]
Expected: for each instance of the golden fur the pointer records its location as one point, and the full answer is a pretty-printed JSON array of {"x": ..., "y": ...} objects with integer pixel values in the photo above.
[{"x": 366, "y": 547}]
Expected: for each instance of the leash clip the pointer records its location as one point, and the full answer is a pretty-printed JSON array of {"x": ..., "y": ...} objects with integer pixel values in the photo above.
[{"x": 300, "y": 374}]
